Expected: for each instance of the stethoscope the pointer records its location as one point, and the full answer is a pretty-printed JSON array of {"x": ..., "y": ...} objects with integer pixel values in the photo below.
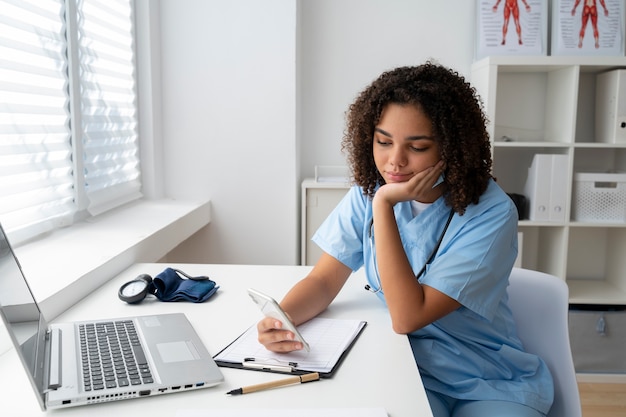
[{"x": 419, "y": 274}]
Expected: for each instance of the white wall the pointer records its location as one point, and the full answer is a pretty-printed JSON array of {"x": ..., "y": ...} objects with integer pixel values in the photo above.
[
  {"x": 229, "y": 128},
  {"x": 346, "y": 44},
  {"x": 254, "y": 95}
]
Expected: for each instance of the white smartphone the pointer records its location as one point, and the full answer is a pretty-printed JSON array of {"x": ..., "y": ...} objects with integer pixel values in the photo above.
[{"x": 271, "y": 308}]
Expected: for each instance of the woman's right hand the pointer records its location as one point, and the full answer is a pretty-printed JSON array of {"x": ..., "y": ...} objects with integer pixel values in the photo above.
[
  {"x": 275, "y": 338},
  {"x": 305, "y": 300}
]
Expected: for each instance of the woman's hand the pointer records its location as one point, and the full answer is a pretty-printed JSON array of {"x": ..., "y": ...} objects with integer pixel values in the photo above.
[
  {"x": 419, "y": 187},
  {"x": 275, "y": 338},
  {"x": 305, "y": 300}
]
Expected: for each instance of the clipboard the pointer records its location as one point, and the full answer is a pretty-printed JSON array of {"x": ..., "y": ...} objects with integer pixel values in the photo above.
[{"x": 330, "y": 341}]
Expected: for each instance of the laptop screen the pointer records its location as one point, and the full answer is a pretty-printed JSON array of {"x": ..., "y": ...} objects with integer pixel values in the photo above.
[{"x": 21, "y": 315}]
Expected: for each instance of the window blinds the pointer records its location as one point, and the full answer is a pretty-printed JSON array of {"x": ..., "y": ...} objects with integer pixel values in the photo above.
[
  {"x": 68, "y": 118},
  {"x": 36, "y": 186},
  {"x": 108, "y": 105}
]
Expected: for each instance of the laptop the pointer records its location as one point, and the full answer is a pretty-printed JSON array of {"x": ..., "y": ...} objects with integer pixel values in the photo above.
[{"x": 89, "y": 362}]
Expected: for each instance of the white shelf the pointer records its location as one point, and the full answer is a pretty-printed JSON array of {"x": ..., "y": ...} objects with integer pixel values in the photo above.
[
  {"x": 596, "y": 145},
  {"x": 549, "y": 63},
  {"x": 546, "y": 104},
  {"x": 591, "y": 291},
  {"x": 529, "y": 144}
]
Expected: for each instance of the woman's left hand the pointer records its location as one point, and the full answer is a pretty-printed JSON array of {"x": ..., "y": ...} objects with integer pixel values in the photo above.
[{"x": 419, "y": 187}]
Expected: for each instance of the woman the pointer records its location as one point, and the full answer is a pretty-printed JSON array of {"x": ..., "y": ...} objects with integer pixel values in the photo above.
[{"x": 437, "y": 238}]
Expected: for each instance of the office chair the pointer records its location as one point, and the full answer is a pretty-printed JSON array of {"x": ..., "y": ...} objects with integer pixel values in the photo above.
[{"x": 540, "y": 304}]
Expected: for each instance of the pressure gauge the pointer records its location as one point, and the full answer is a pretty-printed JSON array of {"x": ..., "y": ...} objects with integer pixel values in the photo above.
[{"x": 136, "y": 290}]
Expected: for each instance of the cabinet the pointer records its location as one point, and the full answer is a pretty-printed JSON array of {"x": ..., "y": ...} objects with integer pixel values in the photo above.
[
  {"x": 546, "y": 105},
  {"x": 319, "y": 198}
]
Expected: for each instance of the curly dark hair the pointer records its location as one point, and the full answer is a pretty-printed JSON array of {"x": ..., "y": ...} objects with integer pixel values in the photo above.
[{"x": 458, "y": 125}]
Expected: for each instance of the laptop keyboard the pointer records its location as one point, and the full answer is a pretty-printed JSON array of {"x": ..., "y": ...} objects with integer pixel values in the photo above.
[{"x": 112, "y": 356}]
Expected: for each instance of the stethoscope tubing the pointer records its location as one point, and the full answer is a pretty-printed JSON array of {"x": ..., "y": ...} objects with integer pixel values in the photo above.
[{"x": 428, "y": 261}]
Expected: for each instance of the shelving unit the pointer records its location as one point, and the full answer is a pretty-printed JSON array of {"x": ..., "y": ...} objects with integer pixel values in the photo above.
[{"x": 546, "y": 105}]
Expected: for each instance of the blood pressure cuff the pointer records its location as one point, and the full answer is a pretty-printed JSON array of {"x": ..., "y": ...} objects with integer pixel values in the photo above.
[{"x": 175, "y": 285}]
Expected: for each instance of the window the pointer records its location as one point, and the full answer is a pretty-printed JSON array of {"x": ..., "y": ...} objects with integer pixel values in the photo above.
[{"x": 68, "y": 112}]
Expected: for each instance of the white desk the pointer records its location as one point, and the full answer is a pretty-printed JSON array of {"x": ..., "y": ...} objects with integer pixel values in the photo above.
[{"x": 379, "y": 371}]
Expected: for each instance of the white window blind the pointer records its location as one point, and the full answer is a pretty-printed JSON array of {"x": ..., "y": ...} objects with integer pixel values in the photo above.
[
  {"x": 68, "y": 119},
  {"x": 108, "y": 105},
  {"x": 36, "y": 185}
]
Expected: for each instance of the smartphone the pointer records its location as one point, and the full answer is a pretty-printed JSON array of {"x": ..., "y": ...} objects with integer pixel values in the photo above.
[{"x": 271, "y": 308}]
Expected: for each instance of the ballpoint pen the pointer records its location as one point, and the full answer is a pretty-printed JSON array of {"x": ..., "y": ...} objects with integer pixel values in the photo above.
[
  {"x": 269, "y": 365},
  {"x": 299, "y": 379}
]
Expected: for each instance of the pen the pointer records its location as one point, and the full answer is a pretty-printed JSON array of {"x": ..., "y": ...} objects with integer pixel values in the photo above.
[
  {"x": 268, "y": 365},
  {"x": 299, "y": 379}
]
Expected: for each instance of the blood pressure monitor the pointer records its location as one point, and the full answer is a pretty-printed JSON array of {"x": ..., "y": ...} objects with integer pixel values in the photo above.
[
  {"x": 136, "y": 290},
  {"x": 169, "y": 281}
]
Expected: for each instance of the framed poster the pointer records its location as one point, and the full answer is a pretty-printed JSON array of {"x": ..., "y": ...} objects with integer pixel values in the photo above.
[
  {"x": 511, "y": 27},
  {"x": 587, "y": 27}
]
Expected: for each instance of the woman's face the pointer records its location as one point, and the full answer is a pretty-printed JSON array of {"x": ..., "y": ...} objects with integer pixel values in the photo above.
[{"x": 403, "y": 143}]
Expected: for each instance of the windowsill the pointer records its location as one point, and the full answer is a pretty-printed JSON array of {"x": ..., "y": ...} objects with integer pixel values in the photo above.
[{"x": 66, "y": 265}]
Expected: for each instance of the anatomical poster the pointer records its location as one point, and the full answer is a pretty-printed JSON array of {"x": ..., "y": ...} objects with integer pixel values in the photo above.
[
  {"x": 587, "y": 27},
  {"x": 511, "y": 27}
]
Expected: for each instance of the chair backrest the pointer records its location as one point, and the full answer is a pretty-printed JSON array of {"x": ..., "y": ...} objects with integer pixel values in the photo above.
[{"x": 540, "y": 305}]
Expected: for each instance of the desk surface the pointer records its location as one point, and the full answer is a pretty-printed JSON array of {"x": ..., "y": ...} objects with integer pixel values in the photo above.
[{"x": 378, "y": 372}]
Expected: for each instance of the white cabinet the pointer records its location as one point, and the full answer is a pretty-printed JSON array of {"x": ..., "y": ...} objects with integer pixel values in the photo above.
[
  {"x": 546, "y": 105},
  {"x": 319, "y": 198}
]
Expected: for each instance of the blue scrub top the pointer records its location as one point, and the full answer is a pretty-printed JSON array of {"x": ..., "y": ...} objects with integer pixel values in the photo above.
[{"x": 472, "y": 353}]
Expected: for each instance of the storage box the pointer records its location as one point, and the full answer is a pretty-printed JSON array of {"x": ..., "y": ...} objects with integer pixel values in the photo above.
[
  {"x": 599, "y": 197},
  {"x": 598, "y": 338}
]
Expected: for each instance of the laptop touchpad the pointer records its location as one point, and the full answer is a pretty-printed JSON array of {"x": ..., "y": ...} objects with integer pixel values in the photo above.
[{"x": 177, "y": 351}]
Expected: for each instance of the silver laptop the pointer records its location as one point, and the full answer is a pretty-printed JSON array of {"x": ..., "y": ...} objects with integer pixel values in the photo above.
[{"x": 79, "y": 363}]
